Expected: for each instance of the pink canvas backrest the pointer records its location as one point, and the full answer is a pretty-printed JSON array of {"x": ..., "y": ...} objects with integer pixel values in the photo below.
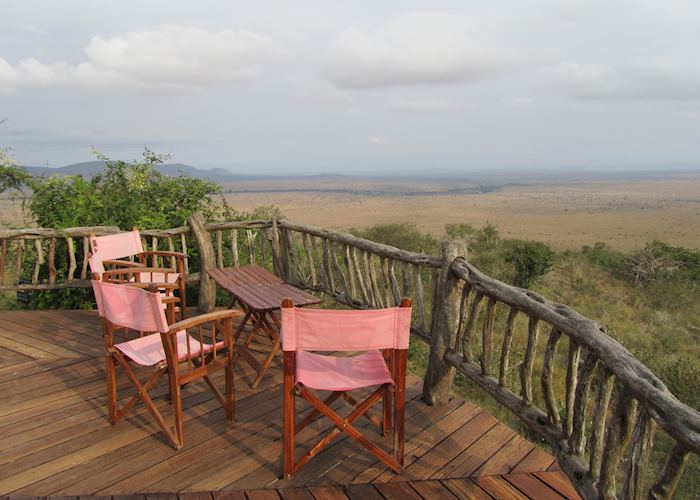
[
  {"x": 117, "y": 246},
  {"x": 96, "y": 265},
  {"x": 331, "y": 330},
  {"x": 134, "y": 308}
]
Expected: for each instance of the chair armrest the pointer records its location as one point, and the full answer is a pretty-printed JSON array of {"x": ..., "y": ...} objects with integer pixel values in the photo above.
[
  {"x": 122, "y": 263},
  {"x": 149, "y": 284},
  {"x": 164, "y": 253},
  {"x": 140, "y": 270},
  {"x": 188, "y": 323}
]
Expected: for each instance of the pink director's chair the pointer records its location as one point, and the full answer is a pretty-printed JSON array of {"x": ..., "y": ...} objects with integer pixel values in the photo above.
[
  {"x": 187, "y": 350},
  {"x": 112, "y": 250},
  {"x": 382, "y": 336}
]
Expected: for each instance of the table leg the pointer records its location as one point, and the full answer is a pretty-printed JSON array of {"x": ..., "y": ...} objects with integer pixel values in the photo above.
[{"x": 275, "y": 347}]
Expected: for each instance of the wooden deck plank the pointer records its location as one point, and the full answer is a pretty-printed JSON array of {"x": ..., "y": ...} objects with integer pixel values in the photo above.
[
  {"x": 32, "y": 366},
  {"x": 397, "y": 490},
  {"x": 426, "y": 440},
  {"x": 536, "y": 460},
  {"x": 425, "y": 429},
  {"x": 295, "y": 494},
  {"x": 475, "y": 455},
  {"x": 328, "y": 492},
  {"x": 268, "y": 471},
  {"x": 432, "y": 489},
  {"x": 204, "y": 424},
  {"x": 532, "y": 487},
  {"x": 362, "y": 492},
  {"x": 466, "y": 488},
  {"x": 59, "y": 441},
  {"x": 26, "y": 349},
  {"x": 262, "y": 495},
  {"x": 44, "y": 382},
  {"x": 52, "y": 340},
  {"x": 12, "y": 358},
  {"x": 498, "y": 487},
  {"x": 342, "y": 462},
  {"x": 55, "y": 324},
  {"x": 450, "y": 447},
  {"x": 559, "y": 482},
  {"x": 224, "y": 495},
  {"x": 504, "y": 460}
]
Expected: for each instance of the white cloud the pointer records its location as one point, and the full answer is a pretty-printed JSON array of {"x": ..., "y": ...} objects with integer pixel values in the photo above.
[
  {"x": 377, "y": 141},
  {"x": 418, "y": 48},
  {"x": 429, "y": 105},
  {"x": 671, "y": 79},
  {"x": 172, "y": 56}
]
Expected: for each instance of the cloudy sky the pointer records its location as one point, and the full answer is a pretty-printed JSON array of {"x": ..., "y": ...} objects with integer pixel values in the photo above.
[{"x": 363, "y": 86}]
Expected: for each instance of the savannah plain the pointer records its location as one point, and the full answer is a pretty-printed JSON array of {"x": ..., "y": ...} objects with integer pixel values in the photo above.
[{"x": 565, "y": 213}]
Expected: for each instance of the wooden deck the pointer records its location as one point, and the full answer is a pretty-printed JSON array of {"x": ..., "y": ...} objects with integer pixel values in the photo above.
[{"x": 55, "y": 438}]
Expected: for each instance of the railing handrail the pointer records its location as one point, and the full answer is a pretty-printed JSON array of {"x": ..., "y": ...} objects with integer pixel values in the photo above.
[{"x": 675, "y": 417}]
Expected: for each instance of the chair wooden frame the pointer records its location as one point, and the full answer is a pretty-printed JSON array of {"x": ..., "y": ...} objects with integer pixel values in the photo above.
[
  {"x": 181, "y": 369},
  {"x": 393, "y": 398},
  {"x": 116, "y": 259}
]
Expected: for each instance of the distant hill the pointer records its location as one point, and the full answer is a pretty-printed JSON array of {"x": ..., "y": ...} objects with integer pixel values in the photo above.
[{"x": 91, "y": 168}]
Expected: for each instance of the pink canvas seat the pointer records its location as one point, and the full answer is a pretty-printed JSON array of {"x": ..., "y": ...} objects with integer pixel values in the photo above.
[
  {"x": 187, "y": 350},
  {"x": 381, "y": 337},
  {"x": 342, "y": 373},
  {"x": 148, "y": 350},
  {"x": 113, "y": 249}
]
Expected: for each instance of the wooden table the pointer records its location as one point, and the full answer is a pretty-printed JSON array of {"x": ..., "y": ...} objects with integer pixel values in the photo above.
[{"x": 260, "y": 294}]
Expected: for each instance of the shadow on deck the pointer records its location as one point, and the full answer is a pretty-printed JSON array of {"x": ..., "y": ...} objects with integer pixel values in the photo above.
[{"x": 56, "y": 439}]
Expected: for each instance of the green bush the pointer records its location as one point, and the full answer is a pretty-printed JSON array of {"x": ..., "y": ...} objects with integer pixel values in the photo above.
[
  {"x": 126, "y": 194},
  {"x": 530, "y": 259},
  {"x": 461, "y": 230},
  {"x": 401, "y": 235},
  {"x": 12, "y": 176},
  {"x": 606, "y": 258}
]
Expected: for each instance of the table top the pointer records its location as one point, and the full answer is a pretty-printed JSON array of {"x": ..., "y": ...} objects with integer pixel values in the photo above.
[{"x": 258, "y": 288}]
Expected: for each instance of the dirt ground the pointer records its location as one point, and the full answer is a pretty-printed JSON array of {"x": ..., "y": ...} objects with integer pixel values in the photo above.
[{"x": 567, "y": 215}]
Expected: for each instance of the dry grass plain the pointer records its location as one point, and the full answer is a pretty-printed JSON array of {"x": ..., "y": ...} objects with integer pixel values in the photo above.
[
  {"x": 625, "y": 213},
  {"x": 566, "y": 213}
]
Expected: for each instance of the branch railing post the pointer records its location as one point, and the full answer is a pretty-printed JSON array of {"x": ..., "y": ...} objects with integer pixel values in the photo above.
[
  {"x": 439, "y": 375},
  {"x": 207, "y": 288}
]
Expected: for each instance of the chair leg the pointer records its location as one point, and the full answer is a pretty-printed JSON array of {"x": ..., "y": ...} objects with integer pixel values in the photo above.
[
  {"x": 143, "y": 394},
  {"x": 288, "y": 465},
  {"x": 230, "y": 392},
  {"x": 111, "y": 376},
  {"x": 386, "y": 407},
  {"x": 345, "y": 424},
  {"x": 176, "y": 395},
  {"x": 183, "y": 298},
  {"x": 399, "y": 406}
]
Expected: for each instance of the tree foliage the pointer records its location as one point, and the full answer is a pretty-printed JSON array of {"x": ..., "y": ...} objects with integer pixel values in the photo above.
[
  {"x": 125, "y": 194},
  {"x": 531, "y": 260},
  {"x": 12, "y": 176}
]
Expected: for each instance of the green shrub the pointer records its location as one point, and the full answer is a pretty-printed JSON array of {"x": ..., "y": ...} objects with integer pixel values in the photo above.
[
  {"x": 125, "y": 194},
  {"x": 401, "y": 235},
  {"x": 606, "y": 258},
  {"x": 530, "y": 259},
  {"x": 461, "y": 230}
]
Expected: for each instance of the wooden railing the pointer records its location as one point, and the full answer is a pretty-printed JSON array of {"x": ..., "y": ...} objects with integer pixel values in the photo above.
[{"x": 600, "y": 409}]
